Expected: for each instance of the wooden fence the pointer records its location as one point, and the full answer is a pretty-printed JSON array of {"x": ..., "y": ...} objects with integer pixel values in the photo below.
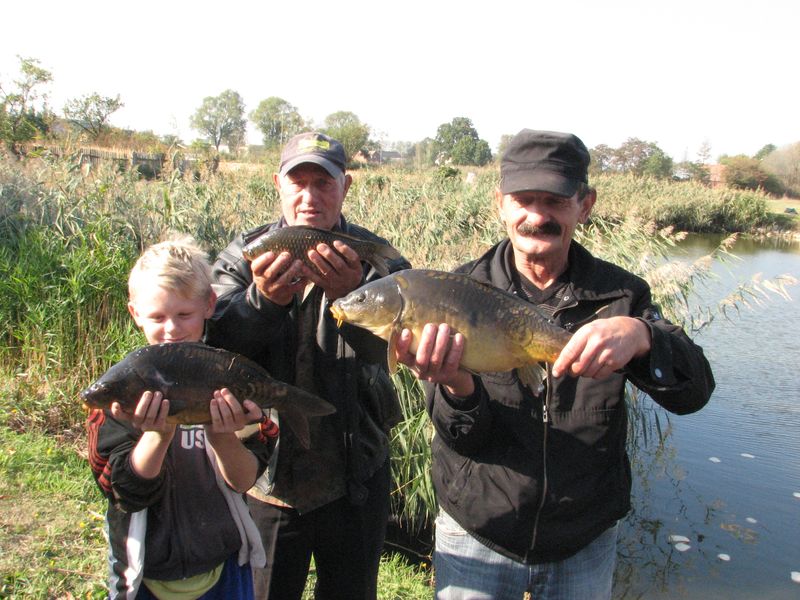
[{"x": 148, "y": 164}]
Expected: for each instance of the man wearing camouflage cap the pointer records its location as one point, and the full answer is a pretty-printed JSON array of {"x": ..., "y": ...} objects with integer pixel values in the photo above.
[{"x": 331, "y": 500}]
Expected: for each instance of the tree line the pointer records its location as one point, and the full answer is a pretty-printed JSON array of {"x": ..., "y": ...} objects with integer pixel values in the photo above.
[{"x": 222, "y": 121}]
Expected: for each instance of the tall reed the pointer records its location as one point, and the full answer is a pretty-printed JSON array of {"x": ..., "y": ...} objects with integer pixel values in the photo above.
[{"x": 68, "y": 239}]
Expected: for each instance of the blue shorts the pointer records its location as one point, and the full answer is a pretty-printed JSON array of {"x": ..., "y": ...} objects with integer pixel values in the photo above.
[
  {"x": 465, "y": 569},
  {"x": 235, "y": 583}
]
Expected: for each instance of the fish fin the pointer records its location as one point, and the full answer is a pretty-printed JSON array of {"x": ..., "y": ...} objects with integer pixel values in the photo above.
[
  {"x": 297, "y": 421},
  {"x": 383, "y": 253},
  {"x": 379, "y": 265},
  {"x": 532, "y": 376},
  {"x": 388, "y": 252},
  {"x": 296, "y": 414},
  {"x": 391, "y": 351}
]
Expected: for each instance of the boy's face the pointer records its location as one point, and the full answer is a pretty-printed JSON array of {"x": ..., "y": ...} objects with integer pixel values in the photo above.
[{"x": 166, "y": 316}]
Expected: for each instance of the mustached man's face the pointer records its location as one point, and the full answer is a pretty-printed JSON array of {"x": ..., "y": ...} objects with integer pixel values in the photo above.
[{"x": 540, "y": 225}]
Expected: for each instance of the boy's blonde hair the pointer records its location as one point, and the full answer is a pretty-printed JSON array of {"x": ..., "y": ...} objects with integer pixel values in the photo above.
[{"x": 178, "y": 265}]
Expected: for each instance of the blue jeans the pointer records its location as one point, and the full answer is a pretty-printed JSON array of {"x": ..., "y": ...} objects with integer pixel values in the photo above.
[{"x": 467, "y": 570}]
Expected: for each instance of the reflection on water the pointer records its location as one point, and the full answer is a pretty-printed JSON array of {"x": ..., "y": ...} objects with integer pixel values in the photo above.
[{"x": 727, "y": 478}]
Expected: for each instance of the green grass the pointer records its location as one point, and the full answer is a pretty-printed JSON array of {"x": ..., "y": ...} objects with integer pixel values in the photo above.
[
  {"x": 51, "y": 528},
  {"x": 52, "y": 520}
]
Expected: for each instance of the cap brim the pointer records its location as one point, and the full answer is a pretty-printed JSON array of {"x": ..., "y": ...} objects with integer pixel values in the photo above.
[
  {"x": 331, "y": 167},
  {"x": 527, "y": 180}
]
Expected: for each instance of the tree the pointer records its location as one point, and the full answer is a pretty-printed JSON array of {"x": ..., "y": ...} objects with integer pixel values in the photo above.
[
  {"x": 277, "y": 120},
  {"x": 784, "y": 163},
  {"x": 22, "y": 119},
  {"x": 765, "y": 151},
  {"x": 90, "y": 113},
  {"x": 633, "y": 156},
  {"x": 658, "y": 164},
  {"x": 423, "y": 153},
  {"x": 747, "y": 173},
  {"x": 459, "y": 141},
  {"x": 505, "y": 140},
  {"x": 221, "y": 119},
  {"x": 692, "y": 171},
  {"x": 704, "y": 153},
  {"x": 348, "y": 129},
  {"x": 602, "y": 159}
]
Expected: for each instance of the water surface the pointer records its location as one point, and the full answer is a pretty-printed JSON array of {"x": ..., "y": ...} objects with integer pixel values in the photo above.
[{"x": 728, "y": 477}]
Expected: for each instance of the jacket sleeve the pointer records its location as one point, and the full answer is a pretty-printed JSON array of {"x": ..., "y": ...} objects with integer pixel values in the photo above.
[
  {"x": 110, "y": 445},
  {"x": 463, "y": 424},
  {"x": 244, "y": 320},
  {"x": 675, "y": 373}
]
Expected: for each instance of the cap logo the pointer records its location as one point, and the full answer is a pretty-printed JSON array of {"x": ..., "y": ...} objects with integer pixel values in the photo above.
[{"x": 309, "y": 145}]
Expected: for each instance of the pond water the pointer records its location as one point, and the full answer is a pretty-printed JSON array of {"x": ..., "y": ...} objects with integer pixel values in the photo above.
[{"x": 717, "y": 503}]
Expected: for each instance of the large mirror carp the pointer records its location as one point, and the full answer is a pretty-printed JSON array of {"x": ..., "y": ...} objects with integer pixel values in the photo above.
[
  {"x": 502, "y": 332},
  {"x": 187, "y": 373}
]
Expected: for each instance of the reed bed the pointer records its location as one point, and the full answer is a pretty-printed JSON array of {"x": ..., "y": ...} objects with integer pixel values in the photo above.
[{"x": 68, "y": 239}]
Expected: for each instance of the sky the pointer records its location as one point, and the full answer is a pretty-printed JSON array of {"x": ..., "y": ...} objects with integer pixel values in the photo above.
[{"x": 678, "y": 73}]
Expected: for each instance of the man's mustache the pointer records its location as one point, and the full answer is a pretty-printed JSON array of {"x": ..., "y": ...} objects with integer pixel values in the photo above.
[{"x": 549, "y": 228}]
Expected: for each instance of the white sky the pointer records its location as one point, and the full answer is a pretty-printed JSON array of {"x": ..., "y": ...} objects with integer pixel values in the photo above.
[{"x": 676, "y": 73}]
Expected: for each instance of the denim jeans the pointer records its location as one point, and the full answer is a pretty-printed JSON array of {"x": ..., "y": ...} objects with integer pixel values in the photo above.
[{"x": 465, "y": 569}]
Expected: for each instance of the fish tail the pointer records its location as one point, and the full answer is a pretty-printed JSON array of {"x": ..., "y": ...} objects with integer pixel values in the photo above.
[
  {"x": 298, "y": 423},
  {"x": 380, "y": 257}
]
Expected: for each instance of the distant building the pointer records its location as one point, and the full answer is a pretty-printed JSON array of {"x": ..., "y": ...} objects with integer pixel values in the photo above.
[
  {"x": 377, "y": 156},
  {"x": 716, "y": 174}
]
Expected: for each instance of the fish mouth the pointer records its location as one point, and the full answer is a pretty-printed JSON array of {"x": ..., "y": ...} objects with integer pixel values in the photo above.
[{"x": 338, "y": 314}]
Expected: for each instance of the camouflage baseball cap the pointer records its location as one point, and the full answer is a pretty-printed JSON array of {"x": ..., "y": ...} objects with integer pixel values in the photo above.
[{"x": 313, "y": 147}]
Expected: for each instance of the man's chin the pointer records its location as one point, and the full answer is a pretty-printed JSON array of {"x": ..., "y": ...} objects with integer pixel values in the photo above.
[{"x": 316, "y": 220}]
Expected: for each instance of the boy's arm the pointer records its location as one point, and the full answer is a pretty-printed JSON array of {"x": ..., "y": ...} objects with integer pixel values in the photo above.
[
  {"x": 111, "y": 443},
  {"x": 147, "y": 457},
  {"x": 238, "y": 465}
]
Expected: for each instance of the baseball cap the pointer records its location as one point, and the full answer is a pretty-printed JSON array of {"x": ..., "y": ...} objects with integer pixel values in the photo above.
[
  {"x": 313, "y": 147},
  {"x": 546, "y": 161}
]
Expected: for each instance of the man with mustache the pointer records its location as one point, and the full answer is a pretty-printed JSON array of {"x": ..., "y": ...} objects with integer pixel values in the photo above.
[{"x": 532, "y": 482}]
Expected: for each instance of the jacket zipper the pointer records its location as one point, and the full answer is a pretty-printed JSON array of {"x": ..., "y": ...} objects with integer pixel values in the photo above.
[
  {"x": 546, "y": 427},
  {"x": 546, "y": 402}
]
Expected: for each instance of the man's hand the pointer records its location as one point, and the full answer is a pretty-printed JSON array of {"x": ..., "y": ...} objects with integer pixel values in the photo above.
[
  {"x": 437, "y": 358},
  {"x": 338, "y": 272},
  {"x": 603, "y": 346},
  {"x": 277, "y": 277}
]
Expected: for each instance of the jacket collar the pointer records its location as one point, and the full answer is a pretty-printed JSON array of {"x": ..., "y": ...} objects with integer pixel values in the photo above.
[{"x": 586, "y": 282}]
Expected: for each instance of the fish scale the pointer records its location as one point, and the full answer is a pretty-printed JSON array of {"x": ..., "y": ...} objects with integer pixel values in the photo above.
[
  {"x": 502, "y": 331},
  {"x": 297, "y": 240},
  {"x": 187, "y": 374}
]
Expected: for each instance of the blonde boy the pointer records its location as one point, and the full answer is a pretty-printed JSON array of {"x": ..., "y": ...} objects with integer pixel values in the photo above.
[{"x": 177, "y": 524}]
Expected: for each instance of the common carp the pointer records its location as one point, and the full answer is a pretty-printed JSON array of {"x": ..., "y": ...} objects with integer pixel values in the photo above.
[
  {"x": 187, "y": 373},
  {"x": 297, "y": 240},
  {"x": 501, "y": 332}
]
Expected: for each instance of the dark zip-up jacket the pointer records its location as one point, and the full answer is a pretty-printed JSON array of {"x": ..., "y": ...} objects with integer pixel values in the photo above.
[
  {"x": 538, "y": 477},
  {"x": 349, "y": 368}
]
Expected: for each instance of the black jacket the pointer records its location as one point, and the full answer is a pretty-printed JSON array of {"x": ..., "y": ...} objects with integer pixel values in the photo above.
[
  {"x": 536, "y": 478},
  {"x": 351, "y": 362}
]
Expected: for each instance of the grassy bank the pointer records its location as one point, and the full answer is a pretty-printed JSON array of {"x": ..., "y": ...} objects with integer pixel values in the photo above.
[{"x": 67, "y": 241}]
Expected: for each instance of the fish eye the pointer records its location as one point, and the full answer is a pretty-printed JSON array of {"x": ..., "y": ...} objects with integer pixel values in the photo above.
[{"x": 361, "y": 297}]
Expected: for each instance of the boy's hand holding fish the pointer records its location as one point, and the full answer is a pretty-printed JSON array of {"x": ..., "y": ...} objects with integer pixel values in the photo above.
[{"x": 227, "y": 414}]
